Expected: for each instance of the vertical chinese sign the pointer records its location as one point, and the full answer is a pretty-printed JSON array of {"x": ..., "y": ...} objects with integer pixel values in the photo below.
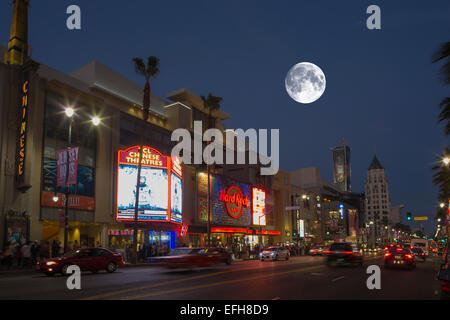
[{"x": 23, "y": 126}]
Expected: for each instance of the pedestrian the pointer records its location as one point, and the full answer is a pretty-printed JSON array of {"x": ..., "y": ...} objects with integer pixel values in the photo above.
[
  {"x": 34, "y": 252},
  {"x": 55, "y": 249},
  {"x": 60, "y": 249},
  {"x": 26, "y": 254},
  {"x": 8, "y": 255},
  {"x": 44, "y": 252}
]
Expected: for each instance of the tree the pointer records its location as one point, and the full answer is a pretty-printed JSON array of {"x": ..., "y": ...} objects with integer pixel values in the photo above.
[
  {"x": 147, "y": 71},
  {"x": 443, "y": 54},
  {"x": 210, "y": 103}
]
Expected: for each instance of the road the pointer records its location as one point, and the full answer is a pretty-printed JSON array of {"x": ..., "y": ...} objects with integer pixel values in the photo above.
[{"x": 299, "y": 278}]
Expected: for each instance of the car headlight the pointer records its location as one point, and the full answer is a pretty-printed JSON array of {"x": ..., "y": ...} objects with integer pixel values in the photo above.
[
  {"x": 51, "y": 263},
  {"x": 272, "y": 253}
]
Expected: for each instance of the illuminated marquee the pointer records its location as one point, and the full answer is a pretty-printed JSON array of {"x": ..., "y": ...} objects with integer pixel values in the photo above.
[
  {"x": 234, "y": 201},
  {"x": 21, "y": 145},
  {"x": 160, "y": 193},
  {"x": 259, "y": 206}
]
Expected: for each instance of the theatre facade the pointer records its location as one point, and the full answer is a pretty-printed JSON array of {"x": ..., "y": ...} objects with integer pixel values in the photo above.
[{"x": 173, "y": 196}]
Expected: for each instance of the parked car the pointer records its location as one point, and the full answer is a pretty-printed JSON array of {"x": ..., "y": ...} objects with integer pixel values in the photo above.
[
  {"x": 194, "y": 257},
  {"x": 88, "y": 259},
  {"x": 343, "y": 253},
  {"x": 275, "y": 253},
  {"x": 399, "y": 257}
]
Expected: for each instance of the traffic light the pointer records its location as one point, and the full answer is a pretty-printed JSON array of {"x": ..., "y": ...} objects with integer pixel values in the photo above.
[{"x": 408, "y": 216}]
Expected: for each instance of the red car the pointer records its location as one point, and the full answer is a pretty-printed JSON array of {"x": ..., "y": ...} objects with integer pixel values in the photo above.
[
  {"x": 399, "y": 257},
  {"x": 194, "y": 257},
  {"x": 444, "y": 273},
  {"x": 88, "y": 259}
]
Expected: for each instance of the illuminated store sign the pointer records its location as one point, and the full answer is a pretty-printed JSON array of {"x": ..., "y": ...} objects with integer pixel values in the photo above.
[
  {"x": 234, "y": 201},
  {"x": 160, "y": 193},
  {"x": 259, "y": 207},
  {"x": 21, "y": 145}
]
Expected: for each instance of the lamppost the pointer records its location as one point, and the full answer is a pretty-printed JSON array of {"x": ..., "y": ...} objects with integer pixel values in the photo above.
[{"x": 96, "y": 121}]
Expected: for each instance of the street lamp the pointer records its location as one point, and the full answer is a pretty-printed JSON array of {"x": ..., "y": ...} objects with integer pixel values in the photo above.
[
  {"x": 442, "y": 204},
  {"x": 446, "y": 160},
  {"x": 70, "y": 112},
  {"x": 96, "y": 121}
]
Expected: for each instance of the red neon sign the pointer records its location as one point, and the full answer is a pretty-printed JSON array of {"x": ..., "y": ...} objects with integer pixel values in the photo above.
[
  {"x": 234, "y": 201},
  {"x": 243, "y": 230}
]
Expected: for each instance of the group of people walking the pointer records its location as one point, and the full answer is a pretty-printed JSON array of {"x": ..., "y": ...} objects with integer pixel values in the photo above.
[{"x": 25, "y": 255}]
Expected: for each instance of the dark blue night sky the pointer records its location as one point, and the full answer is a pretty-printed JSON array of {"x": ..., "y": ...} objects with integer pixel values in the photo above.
[{"x": 382, "y": 89}]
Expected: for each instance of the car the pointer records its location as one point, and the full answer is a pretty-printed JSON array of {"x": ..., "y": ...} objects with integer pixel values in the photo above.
[
  {"x": 343, "y": 253},
  {"x": 316, "y": 251},
  {"x": 275, "y": 253},
  {"x": 88, "y": 259},
  {"x": 399, "y": 257},
  {"x": 419, "y": 254},
  {"x": 194, "y": 257}
]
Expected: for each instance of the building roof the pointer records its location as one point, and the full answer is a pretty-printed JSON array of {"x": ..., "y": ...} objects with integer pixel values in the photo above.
[{"x": 375, "y": 164}]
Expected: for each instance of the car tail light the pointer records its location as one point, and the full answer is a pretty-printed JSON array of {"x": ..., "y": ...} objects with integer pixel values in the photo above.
[
  {"x": 347, "y": 252},
  {"x": 408, "y": 256},
  {"x": 387, "y": 254},
  {"x": 327, "y": 251}
]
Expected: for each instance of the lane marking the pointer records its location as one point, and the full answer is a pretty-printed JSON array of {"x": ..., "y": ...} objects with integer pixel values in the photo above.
[
  {"x": 337, "y": 279},
  {"x": 114, "y": 293},
  {"x": 276, "y": 298},
  {"x": 214, "y": 284},
  {"x": 154, "y": 285}
]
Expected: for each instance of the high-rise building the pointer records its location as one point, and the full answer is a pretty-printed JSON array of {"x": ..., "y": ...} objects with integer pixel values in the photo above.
[
  {"x": 378, "y": 200},
  {"x": 341, "y": 167}
]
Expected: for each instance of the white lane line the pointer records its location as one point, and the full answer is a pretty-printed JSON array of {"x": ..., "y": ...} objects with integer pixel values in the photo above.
[
  {"x": 316, "y": 274},
  {"x": 276, "y": 298},
  {"x": 337, "y": 279}
]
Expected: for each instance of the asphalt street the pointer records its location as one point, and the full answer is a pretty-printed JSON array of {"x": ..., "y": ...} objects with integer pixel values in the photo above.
[{"x": 299, "y": 278}]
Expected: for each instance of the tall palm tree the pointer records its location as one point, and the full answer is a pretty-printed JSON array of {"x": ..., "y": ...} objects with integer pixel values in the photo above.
[
  {"x": 443, "y": 54},
  {"x": 210, "y": 103},
  {"x": 147, "y": 71}
]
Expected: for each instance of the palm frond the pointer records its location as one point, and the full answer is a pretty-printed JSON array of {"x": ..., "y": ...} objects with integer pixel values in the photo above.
[
  {"x": 443, "y": 53},
  {"x": 152, "y": 66},
  {"x": 139, "y": 66}
]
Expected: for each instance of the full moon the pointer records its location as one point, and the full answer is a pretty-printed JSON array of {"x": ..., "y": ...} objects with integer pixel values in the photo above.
[{"x": 305, "y": 82}]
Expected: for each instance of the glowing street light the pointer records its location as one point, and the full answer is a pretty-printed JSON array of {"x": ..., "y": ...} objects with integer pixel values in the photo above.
[
  {"x": 69, "y": 112},
  {"x": 446, "y": 160},
  {"x": 442, "y": 204},
  {"x": 96, "y": 121}
]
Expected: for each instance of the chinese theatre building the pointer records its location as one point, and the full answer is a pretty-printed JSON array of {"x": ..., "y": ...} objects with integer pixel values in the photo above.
[{"x": 35, "y": 127}]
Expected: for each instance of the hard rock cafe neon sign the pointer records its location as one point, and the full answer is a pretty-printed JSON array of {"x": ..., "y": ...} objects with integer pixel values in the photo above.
[{"x": 234, "y": 201}]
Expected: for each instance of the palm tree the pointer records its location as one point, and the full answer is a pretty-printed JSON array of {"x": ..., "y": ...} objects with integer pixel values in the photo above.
[
  {"x": 443, "y": 54},
  {"x": 210, "y": 103},
  {"x": 147, "y": 71}
]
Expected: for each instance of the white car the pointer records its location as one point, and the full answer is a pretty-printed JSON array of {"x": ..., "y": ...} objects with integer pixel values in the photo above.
[{"x": 275, "y": 253}]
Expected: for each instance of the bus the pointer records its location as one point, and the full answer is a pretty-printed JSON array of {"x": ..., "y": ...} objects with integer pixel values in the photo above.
[{"x": 421, "y": 243}]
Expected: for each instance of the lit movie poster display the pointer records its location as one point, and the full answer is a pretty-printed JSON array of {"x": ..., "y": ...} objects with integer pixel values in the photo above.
[{"x": 160, "y": 193}]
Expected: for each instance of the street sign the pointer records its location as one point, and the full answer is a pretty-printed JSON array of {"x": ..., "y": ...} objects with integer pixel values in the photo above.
[
  {"x": 420, "y": 218},
  {"x": 67, "y": 157},
  {"x": 73, "y": 166},
  {"x": 61, "y": 168}
]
